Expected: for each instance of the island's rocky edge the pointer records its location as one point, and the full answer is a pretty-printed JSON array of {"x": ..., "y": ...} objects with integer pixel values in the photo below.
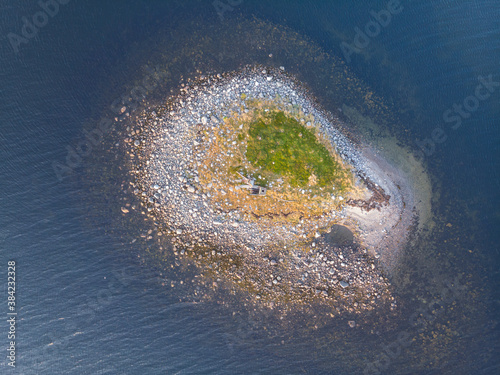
[{"x": 275, "y": 262}]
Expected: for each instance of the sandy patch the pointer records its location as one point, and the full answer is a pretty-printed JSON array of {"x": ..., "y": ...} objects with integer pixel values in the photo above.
[{"x": 404, "y": 178}]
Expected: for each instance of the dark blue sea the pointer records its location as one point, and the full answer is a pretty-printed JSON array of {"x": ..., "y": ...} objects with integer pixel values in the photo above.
[{"x": 90, "y": 300}]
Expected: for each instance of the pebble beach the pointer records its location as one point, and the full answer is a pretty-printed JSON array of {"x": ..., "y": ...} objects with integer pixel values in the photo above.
[{"x": 276, "y": 262}]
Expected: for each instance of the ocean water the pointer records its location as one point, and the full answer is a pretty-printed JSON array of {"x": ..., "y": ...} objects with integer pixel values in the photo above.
[{"x": 87, "y": 303}]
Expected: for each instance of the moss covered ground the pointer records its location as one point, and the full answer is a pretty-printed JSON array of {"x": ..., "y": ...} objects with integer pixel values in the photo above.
[{"x": 281, "y": 145}]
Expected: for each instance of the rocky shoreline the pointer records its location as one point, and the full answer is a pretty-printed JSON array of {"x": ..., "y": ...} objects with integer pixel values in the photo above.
[{"x": 275, "y": 262}]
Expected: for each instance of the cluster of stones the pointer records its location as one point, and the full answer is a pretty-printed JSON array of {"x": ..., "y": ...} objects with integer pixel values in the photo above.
[
  {"x": 224, "y": 147},
  {"x": 273, "y": 261}
]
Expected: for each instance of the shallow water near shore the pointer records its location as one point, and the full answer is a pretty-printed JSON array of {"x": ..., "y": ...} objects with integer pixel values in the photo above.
[{"x": 100, "y": 293}]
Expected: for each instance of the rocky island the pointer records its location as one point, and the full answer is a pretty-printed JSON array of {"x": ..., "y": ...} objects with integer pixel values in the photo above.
[{"x": 259, "y": 188}]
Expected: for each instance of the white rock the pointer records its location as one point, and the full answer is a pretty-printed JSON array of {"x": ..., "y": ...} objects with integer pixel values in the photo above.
[{"x": 343, "y": 284}]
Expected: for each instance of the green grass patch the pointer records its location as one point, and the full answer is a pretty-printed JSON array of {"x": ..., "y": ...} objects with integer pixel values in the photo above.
[{"x": 282, "y": 146}]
